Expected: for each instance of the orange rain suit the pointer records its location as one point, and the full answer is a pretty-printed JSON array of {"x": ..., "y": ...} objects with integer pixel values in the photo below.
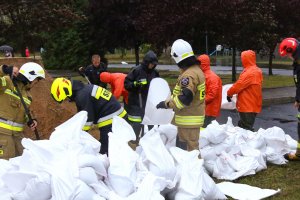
[{"x": 249, "y": 85}]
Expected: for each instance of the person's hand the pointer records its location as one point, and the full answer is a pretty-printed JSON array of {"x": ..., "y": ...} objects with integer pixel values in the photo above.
[
  {"x": 229, "y": 98},
  {"x": 32, "y": 124},
  {"x": 162, "y": 105},
  {"x": 297, "y": 104},
  {"x": 81, "y": 71},
  {"x": 15, "y": 71}
]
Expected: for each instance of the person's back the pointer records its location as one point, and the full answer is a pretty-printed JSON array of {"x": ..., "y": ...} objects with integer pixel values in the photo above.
[
  {"x": 99, "y": 103},
  {"x": 249, "y": 91},
  {"x": 116, "y": 81},
  {"x": 213, "y": 91}
]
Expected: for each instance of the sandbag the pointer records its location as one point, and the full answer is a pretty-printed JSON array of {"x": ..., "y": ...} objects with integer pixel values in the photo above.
[{"x": 159, "y": 90}]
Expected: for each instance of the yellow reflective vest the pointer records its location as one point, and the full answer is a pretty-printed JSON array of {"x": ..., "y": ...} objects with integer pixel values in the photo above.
[{"x": 189, "y": 116}]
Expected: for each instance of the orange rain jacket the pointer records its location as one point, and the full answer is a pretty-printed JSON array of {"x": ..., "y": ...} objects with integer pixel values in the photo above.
[
  {"x": 249, "y": 85},
  {"x": 116, "y": 81},
  {"x": 213, "y": 88}
]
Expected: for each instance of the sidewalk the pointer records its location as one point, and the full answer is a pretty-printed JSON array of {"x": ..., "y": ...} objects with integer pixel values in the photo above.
[{"x": 279, "y": 95}]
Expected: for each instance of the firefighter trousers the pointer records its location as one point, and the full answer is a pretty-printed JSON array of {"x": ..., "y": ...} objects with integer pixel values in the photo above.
[
  {"x": 10, "y": 144},
  {"x": 188, "y": 138}
]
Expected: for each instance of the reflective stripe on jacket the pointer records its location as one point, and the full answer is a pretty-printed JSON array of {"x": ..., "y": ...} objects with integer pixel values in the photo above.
[
  {"x": 99, "y": 103},
  {"x": 189, "y": 116},
  {"x": 12, "y": 112}
]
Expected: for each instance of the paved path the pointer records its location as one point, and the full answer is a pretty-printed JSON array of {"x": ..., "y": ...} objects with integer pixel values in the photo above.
[{"x": 217, "y": 69}]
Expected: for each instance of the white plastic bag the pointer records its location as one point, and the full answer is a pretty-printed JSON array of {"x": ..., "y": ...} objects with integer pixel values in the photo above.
[{"x": 159, "y": 90}]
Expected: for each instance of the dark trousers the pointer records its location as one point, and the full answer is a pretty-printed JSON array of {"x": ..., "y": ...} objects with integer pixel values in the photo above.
[
  {"x": 104, "y": 138},
  {"x": 247, "y": 120},
  {"x": 208, "y": 120},
  {"x": 298, "y": 128}
]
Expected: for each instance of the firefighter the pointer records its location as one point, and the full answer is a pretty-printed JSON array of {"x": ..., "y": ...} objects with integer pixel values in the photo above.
[
  {"x": 213, "y": 91},
  {"x": 116, "y": 81},
  {"x": 99, "y": 103},
  {"x": 12, "y": 112},
  {"x": 188, "y": 96},
  {"x": 137, "y": 84},
  {"x": 93, "y": 71},
  {"x": 290, "y": 47},
  {"x": 249, "y": 91}
]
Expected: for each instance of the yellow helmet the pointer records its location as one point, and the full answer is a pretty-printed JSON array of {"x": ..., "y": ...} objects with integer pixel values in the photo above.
[{"x": 61, "y": 88}]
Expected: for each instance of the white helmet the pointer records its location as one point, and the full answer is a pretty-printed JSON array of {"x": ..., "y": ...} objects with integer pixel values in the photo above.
[
  {"x": 32, "y": 71},
  {"x": 181, "y": 50}
]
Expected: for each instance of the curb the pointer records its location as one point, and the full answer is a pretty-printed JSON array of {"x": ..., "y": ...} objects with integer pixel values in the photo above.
[{"x": 281, "y": 100}]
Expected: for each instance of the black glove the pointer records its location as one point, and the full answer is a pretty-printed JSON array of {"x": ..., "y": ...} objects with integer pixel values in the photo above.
[
  {"x": 229, "y": 98},
  {"x": 161, "y": 104},
  {"x": 7, "y": 70},
  {"x": 30, "y": 122}
]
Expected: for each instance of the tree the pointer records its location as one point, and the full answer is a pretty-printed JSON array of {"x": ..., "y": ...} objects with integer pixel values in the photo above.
[{"x": 25, "y": 20}]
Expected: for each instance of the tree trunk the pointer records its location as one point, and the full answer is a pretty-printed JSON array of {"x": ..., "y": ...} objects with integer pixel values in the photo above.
[
  {"x": 137, "y": 55},
  {"x": 270, "y": 62},
  {"x": 233, "y": 78}
]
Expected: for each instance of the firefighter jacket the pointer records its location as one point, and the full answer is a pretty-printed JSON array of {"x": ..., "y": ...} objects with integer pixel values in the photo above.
[
  {"x": 116, "y": 81},
  {"x": 137, "y": 94},
  {"x": 188, "y": 98},
  {"x": 93, "y": 74},
  {"x": 296, "y": 72},
  {"x": 99, "y": 103},
  {"x": 12, "y": 112},
  {"x": 213, "y": 88},
  {"x": 249, "y": 85}
]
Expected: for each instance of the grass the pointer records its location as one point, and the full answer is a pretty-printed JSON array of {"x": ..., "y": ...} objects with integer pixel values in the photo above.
[{"x": 283, "y": 177}]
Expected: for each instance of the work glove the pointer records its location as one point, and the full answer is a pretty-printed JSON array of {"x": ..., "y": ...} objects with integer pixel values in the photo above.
[
  {"x": 31, "y": 123},
  {"x": 81, "y": 71},
  {"x": 162, "y": 105},
  {"x": 229, "y": 98}
]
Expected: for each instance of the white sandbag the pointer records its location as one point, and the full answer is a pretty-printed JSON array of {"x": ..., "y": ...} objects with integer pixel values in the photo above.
[
  {"x": 243, "y": 191},
  {"x": 122, "y": 171},
  {"x": 161, "y": 162},
  {"x": 83, "y": 191},
  {"x": 159, "y": 90},
  {"x": 99, "y": 163},
  {"x": 36, "y": 189},
  {"x": 210, "y": 189},
  {"x": 168, "y": 133},
  {"x": 88, "y": 175},
  {"x": 16, "y": 181},
  {"x": 71, "y": 132},
  {"x": 292, "y": 143},
  {"x": 191, "y": 172},
  {"x": 225, "y": 104},
  {"x": 123, "y": 129},
  {"x": 214, "y": 133}
]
